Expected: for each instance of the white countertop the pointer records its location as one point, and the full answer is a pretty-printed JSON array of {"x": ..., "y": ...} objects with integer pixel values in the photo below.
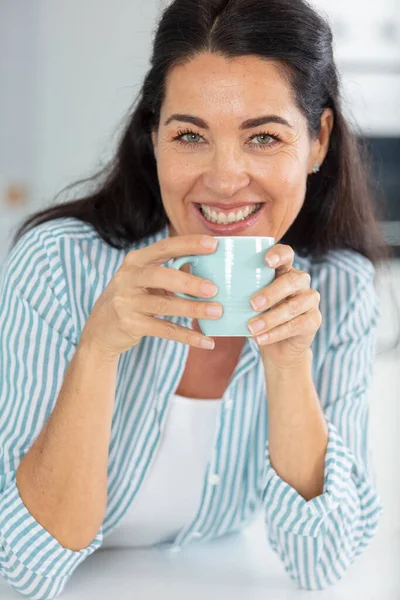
[{"x": 232, "y": 568}]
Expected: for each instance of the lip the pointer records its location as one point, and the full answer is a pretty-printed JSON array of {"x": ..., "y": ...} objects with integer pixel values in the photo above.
[{"x": 228, "y": 227}]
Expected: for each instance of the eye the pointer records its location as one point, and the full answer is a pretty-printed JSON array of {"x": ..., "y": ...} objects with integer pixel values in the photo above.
[
  {"x": 182, "y": 134},
  {"x": 270, "y": 139}
]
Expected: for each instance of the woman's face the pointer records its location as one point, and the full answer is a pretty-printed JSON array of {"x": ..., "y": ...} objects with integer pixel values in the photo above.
[{"x": 223, "y": 169}]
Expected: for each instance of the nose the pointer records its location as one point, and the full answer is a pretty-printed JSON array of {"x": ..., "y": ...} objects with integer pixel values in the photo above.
[{"x": 227, "y": 174}]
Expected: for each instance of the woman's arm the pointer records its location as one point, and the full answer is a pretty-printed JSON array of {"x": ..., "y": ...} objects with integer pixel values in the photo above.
[
  {"x": 319, "y": 536},
  {"x": 298, "y": 433},
  {"x": 62, "y": 479},
  {"x": 51, "y": 502}
]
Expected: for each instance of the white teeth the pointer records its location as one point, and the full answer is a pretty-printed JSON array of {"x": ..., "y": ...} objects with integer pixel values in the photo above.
[
  {"x": 232, "y": 217},
  {"x": 222, "y": 218}
]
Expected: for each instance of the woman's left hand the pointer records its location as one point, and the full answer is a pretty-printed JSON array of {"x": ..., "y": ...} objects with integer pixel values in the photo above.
[{"x": 287, "y": 329}]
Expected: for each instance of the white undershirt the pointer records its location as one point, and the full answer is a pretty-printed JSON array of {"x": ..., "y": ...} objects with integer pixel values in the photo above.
[{"x": 171, "y": 491}]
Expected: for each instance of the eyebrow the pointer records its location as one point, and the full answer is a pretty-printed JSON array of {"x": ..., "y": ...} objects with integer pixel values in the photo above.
[{"x": 248, "y": 124}]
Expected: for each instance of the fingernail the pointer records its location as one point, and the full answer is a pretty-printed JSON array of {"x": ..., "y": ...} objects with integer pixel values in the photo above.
[
  {"x": 214, "y": 310},
  {"x": 258, "y": 302},
  {"x": 257, "y": 326},
  {"x": 209, "y": 344},
  {"x": 209, "y": 242},
  {"x": 209, "y": 288},
  {"x": 272, "y": 260}
]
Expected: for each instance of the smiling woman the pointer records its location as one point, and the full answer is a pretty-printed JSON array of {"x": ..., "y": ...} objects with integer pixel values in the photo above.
[
  {"x": 238, "y": 129},
  {"x": 258, "y": 165}
]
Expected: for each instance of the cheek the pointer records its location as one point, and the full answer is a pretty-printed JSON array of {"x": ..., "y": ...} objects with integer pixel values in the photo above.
[
  {"x": 285, "y": 178},
  {"x": 175, "y": 174}
]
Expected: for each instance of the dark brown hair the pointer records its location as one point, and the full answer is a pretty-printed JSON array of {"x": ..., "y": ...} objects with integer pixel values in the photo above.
[{"x": 339, "y": 210}]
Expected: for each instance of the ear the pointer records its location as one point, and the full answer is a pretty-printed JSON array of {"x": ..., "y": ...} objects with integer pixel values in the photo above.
[
  {"x": 320, "y": 145},
  {"x": 154, "y": 140}
]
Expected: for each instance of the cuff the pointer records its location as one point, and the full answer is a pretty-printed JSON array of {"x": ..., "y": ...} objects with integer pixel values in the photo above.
[
  {"x": 26, "y": 542},
  {"x": 287, "y": 510}
]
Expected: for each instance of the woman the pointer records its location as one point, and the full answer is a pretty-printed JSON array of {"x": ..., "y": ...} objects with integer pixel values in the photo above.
[{"x": 119, "y": 426}]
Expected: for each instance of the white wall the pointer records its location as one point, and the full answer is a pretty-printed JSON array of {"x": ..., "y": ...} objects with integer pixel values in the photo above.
[
  {"x": 92, "y": 58},
  {"x": 18, "y": 106},
  {"x": 366, "y": 41},
  {"x": 68, "y": 73}
]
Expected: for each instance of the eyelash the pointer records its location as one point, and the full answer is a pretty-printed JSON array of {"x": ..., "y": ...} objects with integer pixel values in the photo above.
[{"x": 181, "y": 133}]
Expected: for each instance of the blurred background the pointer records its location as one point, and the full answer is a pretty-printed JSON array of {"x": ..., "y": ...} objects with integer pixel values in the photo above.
[{"x": 69, "y": 71}]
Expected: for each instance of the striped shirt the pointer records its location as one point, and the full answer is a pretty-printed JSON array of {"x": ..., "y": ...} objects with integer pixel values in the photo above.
[{"x": 48, "y": 286}]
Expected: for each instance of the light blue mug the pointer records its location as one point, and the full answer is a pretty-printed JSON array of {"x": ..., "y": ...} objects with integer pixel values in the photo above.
[{"x": 238, "y": 269}]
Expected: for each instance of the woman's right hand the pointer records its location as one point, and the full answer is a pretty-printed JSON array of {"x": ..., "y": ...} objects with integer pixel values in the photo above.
[{"x": 141, "y": 289}]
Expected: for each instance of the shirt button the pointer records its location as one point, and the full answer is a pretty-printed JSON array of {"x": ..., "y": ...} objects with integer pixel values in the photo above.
[
  {"x": 228, "y": 404},
  {"x": 214, "y": 479},
  {"x": 175, "y": 549},
  {"x": 197, "y": 534}
]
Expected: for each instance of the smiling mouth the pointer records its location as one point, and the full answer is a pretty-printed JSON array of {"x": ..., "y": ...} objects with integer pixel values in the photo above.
[{"x": 216, "y": 215}]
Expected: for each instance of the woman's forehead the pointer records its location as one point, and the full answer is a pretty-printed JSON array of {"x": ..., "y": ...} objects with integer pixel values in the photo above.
[{"x": 239, "y": 88}]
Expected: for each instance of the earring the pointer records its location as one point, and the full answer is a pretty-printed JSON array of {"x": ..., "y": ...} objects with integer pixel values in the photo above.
[{"x": 315, "y": 168}]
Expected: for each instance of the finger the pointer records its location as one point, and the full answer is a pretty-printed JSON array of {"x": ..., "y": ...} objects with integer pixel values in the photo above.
[
  {"x": 305, "y": 325},
  {"x": 173, "y": 307},
  {"x": 171, "y": 331},
  {"x": 173, "y": 280},
  {"x": 280, "y": 256},
  {"x": 285, "y": 312},
  {"x": 172, "y": 247},
  {"x": 287, "y": 285}
]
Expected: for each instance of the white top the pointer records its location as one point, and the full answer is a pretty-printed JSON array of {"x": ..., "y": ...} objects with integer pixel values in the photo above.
[{"x": 171, "y": 491}]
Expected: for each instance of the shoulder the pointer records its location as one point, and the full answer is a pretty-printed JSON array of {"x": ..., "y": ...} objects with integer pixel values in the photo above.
[
  {"x": 38, "y": 252},
  {"x": 68, "y": 244},
  {"x": 66, "y": 262}
]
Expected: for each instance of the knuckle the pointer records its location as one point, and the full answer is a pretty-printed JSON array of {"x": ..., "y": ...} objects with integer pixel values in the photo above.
[
  {"x": 186, "y": 282},
  {"x": 318, "y": 318},
  {"x": 130, "y": 258},
  {"x": 160, "y": 305},
  {"x": 118, "y": 304},
  {"x": 197, "y": 309},
  {"x": 293, "y": 326},
  {"x": 294, "y": 306},
  {"x": 307, "y": 277},
  {"x": 292, "y": 280},
  {"x": 163, "y": 246},
  {"x": 317, "y": 296},
  {"x": 190, "y": 338},
  {"x": 169, "y": 330},
  {"x": 119, "y": 277},
  {"x": 289, "y": 252}
]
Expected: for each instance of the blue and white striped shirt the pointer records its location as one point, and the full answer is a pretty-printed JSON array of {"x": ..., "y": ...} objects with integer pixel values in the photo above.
[{"x": 48, "y": 287}]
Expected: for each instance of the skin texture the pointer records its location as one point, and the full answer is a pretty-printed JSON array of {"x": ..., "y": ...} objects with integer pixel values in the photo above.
[{"x": 224, "y": 164}]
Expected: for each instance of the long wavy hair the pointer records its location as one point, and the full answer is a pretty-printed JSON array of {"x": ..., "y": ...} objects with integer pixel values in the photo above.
[{"x": 339, "y": 209}]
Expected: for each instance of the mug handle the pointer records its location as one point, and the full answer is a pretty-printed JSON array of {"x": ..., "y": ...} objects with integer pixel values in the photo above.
[{"x": 178, "y": 263}]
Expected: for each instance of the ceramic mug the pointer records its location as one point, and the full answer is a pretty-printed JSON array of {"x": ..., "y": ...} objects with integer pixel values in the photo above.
[{"x": 238, "y": 269}]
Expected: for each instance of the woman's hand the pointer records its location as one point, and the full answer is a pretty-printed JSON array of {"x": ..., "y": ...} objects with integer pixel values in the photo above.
[
  {"x": 285, "y": 332},
  {"x": 142, "y": 289}
]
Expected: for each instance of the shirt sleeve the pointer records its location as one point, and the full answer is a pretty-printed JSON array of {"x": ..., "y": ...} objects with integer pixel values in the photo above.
[
  {"x": 318, "y": 540},
  {"x": 37, "y": 341}
]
